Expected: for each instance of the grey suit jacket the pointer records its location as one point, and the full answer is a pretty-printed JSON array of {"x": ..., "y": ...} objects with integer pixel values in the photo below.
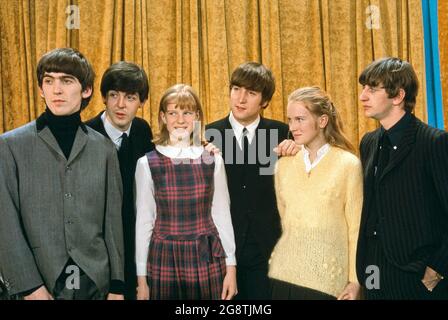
[{"x": 52, "y": 208}]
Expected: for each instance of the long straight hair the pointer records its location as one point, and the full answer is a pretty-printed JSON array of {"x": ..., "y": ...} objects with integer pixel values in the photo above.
[{"x": 318, "y": 103}]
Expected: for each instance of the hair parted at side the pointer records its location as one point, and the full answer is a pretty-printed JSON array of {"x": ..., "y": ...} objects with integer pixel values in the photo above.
[
  {"x": 319, "y": 103},
  {"x": 254, "y": 76},
  {"x": 393, "y": 74}
]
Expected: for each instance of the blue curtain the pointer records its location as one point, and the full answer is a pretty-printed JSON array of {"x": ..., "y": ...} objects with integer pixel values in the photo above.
[{"x": 432, "y": 64}]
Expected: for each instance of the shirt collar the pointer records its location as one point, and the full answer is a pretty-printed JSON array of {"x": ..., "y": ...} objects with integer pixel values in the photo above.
[
  {"x": 395, "y": 133},
  {"x": 320, "y": 153},
  {"x": 238, "y": 127},
  {"x": 113, "y": 133},
  {"x": 190, "y": 152}
]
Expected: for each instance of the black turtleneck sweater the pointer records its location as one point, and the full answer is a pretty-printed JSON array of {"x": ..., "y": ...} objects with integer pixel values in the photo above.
[{"x": 64, "y": 129}]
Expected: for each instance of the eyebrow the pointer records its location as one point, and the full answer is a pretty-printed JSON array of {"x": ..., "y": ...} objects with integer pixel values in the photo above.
[{"x": 68, "y": 76}]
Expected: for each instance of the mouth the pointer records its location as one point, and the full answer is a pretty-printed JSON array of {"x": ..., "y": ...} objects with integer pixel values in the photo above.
[
  {"x": 120, "y": 115},
  {"x": 58, "y": 101},
  {"x": 240, "y": 108}
]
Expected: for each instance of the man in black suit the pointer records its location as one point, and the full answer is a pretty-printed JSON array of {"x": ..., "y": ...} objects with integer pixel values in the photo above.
[
  {"x": 247, "y": 140},
  {"x": 124, "y": 88},
  {"x": 403, "y": 238}
]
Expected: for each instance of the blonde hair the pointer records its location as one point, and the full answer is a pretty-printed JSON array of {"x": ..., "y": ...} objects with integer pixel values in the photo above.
[
  {"x": 185, "y": 98},
  {"x": 318, "y": 103}
]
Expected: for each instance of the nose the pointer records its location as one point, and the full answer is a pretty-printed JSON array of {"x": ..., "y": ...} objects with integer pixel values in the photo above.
[
  {"x": 57, "y": 88},
  {"x": 180, "y": 117},
  {"x": 292, "y": 127},
  {"x": 363, "y": 96},
  {"x": 243, "y": 96},
  {"x": 121, "y": 101}
]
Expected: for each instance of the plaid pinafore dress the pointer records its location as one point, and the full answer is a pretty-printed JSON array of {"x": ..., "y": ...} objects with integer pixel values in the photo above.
[{"x": 186, "y": 259}]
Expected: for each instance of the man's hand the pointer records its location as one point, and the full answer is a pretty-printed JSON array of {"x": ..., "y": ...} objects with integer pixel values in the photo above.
[
  {"x": 431, "y": 278},
  {"x": 229, "y": 289},
  {"x": 351, "y": 292},
  {"x": 211, "y": 148},
  {"x": 39, "y": 294},
  {"x": 113, "y": 296},
  {"x": 287, "y": 147}
]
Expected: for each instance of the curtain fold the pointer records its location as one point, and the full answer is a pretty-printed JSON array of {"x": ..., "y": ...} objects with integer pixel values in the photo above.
[
  {"x": 443, "y": 46},
  {"x": 199, "y": 42}
]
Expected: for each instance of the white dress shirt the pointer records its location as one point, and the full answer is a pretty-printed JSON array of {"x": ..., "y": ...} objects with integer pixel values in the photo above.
[
  {"x": 238, "y": 129},
  {"x": 113, "y": 133},
  {"x": 320, "y": 154},
  {"x": 147, "y": 210}
]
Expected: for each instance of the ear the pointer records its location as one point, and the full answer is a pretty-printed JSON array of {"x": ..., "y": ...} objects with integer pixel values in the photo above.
[
  {"x": 323, "y": 121},
  {"x": 399, "y": 98},
  {"x": 162, "y": 116},
  {"x": 41, "y": 93},
  {"x": 264, "y": 104},
  {"x": 87, "y": 92}
]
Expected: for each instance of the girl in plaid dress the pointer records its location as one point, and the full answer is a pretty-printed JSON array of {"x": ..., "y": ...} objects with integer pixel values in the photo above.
[{"x": 185, "y": 247}]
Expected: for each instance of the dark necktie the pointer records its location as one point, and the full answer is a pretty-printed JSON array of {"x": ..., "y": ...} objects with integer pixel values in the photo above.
[
  {"x": 124, "y": 153},
  {"x": 383, "y": 156},
  {"x": 124, "y": 147},
  {"x": 245, "y": 145}
]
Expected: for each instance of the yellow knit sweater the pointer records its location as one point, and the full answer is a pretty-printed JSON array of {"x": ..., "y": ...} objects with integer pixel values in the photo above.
[{"x": 320, "y": 214}]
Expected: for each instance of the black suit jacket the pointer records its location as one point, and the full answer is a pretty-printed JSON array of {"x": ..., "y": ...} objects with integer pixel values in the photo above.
[
  {"x": 411, "y": 199},
  {"x": 140, "y": 136},
  {"x": 252, "y": 195},
  {"x": 140, "y": 142}
]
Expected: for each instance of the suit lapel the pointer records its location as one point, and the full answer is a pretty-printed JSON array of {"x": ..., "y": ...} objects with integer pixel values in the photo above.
[
  {"x": 371, "y": 160},
  {"x": 369, "y": 170},
  {"x": 78, "y": 144},
  {"x": 405, "y": 147},
  {"x": 98, "y": 125},
  {"x": 46, "y": 135}
]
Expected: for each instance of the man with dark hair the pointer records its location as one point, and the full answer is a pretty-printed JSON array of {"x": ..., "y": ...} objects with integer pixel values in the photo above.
[
  {"x": 124, "y": 88},
  {"x": 246, "y": 140},
  {"x": 60, "y": 192},
  {"x": 403, "y": 240}
]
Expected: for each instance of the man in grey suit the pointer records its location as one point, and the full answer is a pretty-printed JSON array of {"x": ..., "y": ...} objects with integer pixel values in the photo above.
[{"x": 60, "y": 192}]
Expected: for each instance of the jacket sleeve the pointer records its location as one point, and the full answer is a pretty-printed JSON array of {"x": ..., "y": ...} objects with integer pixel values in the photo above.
[
  {"x": 17, "y": 265},
  {"x": 113, "y": 219},
  {"x": 438, "y": 162}
]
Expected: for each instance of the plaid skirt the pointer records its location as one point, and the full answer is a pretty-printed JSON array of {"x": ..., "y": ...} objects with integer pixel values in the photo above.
[{"x": 186, "y": 268}]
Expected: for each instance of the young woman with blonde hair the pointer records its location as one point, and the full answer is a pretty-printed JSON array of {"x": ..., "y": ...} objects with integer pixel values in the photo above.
[{"x": 319, "y": 195}]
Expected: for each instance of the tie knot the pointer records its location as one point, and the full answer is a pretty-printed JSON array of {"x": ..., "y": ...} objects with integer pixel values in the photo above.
[{"x": 124, "y": 141}]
